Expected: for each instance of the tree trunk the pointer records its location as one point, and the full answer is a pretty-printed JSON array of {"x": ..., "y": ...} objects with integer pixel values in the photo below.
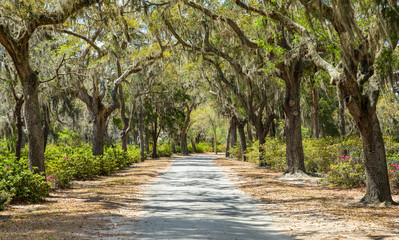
[
  {"x": 273, "y": 129},
  {"x": 141, "y": 131},
  {"x": 124, "y": 142},
  {"x": 183, "y": 143},
  {"x": 173, "y": 147},
  {"x": 293, "y": 133},
  {"x": 154, "y": 154},
  {"x": 154, "y": 134},
  {"x": 227, "y": 154},
  {"x": 147, "y": 142},
  {"x": 241, "y": 132},
  {"x": 315, "y": 110},
  {"x": 233, "y": 129},
  {"x": 262, "y": 161},
  {"x": 19, "y": 124},
  {"x": 46, "y": 125},
  {"x": 341, "y": 115},
  {"x": 216, "y": 142},
  {"x": 98, "y": 135},
  {"x": 377, "y": 183},
  {"x": 30, "y": 86},
  {"x": 249, "y": 132},
  {"x": 193, "y": 145}
]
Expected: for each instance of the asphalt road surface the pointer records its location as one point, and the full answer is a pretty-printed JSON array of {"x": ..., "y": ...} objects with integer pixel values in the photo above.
[{"x": 195, "y": 199}]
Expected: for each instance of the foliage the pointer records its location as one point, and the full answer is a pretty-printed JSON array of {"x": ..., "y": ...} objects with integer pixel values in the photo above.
[
  {"x": 275, "y": 154},
  {"x": 346, "y": 172},
  {"x": 165, "y": 150},
  {"x": 18, "y": 183},
  {"x": 66, "y": 163},
  {"x": 342, "y": 162}
]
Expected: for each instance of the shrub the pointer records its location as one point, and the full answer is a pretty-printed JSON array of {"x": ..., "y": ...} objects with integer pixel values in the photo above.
[
  {"x": 235, "y": 151},
  {"x": 346, "y": 172},
  {"x": 274, "y": 153},
  {"x": 252, "y": 152},
  {"x": 393, "y": 173},
  {"x": 66, "y": 164},
  {"x": 18, "y": 183},
  {"x": 5, "y": 198},
  {"x": 164, "y": 150},
  {"x": 319, "y": 154}
]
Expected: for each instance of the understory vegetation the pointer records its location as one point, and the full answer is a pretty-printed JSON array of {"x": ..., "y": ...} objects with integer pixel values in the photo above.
[{"x": 338, "y": 162}]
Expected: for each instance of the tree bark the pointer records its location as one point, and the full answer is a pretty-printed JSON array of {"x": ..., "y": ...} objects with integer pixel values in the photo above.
[
  {"x": 141, "y": 131},
  {"x": 19, "y": 124},
  {"x": 183, "y": 143},
  {"x": 173, "y": 147},
  {"x": 291, "y": 106},
  {"x": 341, "y": 115},
  {"x": 98, "y": 135},
  {"x": 193, "y": 145},
  {"x": 315, "y": 109},
  {"x": 233, "y": 129},
  {"x": 147, "y": 142},
  {"x": 46, "y": 125},
  {"x": 363, "y": 111},
  {"x": 249, "y": 132},
  {"x": 154, "y": 134},
  {"x": 241, "y": 132},
  {"x": 227, "y": 154},
  {"x": 32, "y": 120}
]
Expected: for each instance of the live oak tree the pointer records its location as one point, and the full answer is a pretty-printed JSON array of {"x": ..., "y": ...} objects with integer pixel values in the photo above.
[
  {"x": 18, "y": 22},
  {"x": 355, "y": 76}
]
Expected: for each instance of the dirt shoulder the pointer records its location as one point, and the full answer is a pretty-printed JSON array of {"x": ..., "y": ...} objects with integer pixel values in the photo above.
[
  {"x": 91, "y": 209},
  {"x": 307, "y": 210}
]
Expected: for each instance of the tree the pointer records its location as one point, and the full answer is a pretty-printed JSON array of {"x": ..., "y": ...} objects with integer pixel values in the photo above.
[
  {"x": 15, "y": 36},
  {"x": 355, "y": 76}
]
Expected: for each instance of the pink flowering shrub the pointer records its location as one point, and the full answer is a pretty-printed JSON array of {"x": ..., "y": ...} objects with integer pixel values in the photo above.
[{"x": 393, "y": 174}]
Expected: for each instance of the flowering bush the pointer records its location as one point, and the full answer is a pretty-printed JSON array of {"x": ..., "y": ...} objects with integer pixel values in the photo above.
[
  {"x": 393, "y": 173},
  {"x": 18, "y": 183},
  {"x": 346, "y": 172}
]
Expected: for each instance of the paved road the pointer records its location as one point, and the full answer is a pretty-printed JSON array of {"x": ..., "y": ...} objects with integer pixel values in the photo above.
[{"x": 196, "y": 200}]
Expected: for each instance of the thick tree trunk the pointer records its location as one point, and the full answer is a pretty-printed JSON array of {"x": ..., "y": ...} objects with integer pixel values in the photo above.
[
  {"x": 98, "y": 135},
  {"x": 315, "y": 110},
  {"x": 378, "y": 189},
  {"x": 141, "y": 131},
  {"x": 183, "y": 143},
  {"x": 377, "y": 182},
  {"x": 124, "y": 142},
  {"x": 241, "y": 132},
  {"x": 19, "y": 124},
  {"x": 293, "y": 134},
  {"x": 32, "y": 120}
]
